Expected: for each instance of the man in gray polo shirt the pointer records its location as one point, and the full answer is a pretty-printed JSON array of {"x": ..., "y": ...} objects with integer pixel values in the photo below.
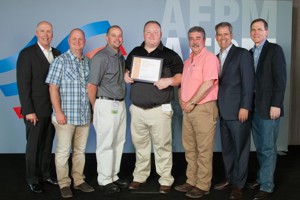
[{"x": 106, "y": 91}]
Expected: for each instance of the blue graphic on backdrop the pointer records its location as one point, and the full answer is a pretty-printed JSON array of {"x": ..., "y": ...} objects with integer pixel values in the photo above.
[{"x": 9, "y": 63}]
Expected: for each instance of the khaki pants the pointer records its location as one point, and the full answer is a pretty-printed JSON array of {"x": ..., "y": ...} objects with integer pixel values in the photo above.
[
  {"x": 152, "y": 126},
  {"x": 66, "y": 136},
  {"x": 198, "y": 131}
]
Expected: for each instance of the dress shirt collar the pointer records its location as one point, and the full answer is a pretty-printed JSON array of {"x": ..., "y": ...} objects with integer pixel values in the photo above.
[
  {"x": 259, "y": 47},
  {"x": 226, "y": 50},
  {"x": 43, "y": 49}
]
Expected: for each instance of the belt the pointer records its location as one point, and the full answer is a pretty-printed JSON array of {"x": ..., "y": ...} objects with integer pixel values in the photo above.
[
  {"x": 148, "y": 107},
  {"x": 108, "y": 98}
]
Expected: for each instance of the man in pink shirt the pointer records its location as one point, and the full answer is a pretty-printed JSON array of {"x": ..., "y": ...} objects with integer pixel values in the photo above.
[{"x": 197, "y": 97}]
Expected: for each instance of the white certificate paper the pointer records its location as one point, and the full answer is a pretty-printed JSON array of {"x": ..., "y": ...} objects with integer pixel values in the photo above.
[{"x": 146, "y": 69}]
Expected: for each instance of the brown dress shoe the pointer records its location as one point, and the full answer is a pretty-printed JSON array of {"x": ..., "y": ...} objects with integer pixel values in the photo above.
[
  {"x": 84, "y": 187},
  {"x": 134, "y": 185},
  {"x": 262, "y": 195},
  {"x": 236, "y": 193},
  {"x": 164, "y": 189},
  {"x": 196, "y": 193},
  {"x": 254, "y": 185},
  {"x": 184, "y": 187},
  {"x": 223, "y": 185},
  {"x": 66, "y": 192}
]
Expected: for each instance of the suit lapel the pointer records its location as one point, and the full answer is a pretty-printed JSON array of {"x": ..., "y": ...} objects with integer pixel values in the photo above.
[
  {"x": 262, "y": 55},
  {"x": 228, "y": 58},
  {"x": 55, "y": 52},
  {"x": 40, "y": 53}
]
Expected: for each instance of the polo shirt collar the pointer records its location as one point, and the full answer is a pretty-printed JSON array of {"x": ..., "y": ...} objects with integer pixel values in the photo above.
[
  {"x": 112, "y": 52},
  {"x": 159, "y": 47}
]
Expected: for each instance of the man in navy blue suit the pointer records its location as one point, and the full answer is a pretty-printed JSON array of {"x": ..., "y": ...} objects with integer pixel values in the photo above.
[
  {"x": 270, "y": 82},
  {"x": 236, "y": 83}
]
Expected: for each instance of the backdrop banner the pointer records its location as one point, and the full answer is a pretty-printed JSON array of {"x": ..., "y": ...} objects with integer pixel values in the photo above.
[{"x": 95, "y": 17}]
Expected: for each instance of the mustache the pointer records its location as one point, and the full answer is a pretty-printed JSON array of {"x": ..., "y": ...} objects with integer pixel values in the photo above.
[{"x": 195, "y": 45}]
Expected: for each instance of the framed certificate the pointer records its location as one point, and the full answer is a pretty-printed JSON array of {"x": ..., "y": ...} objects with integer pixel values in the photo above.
[{"x": 146, "y": 69}]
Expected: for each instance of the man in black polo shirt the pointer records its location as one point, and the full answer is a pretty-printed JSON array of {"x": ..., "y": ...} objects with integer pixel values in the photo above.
[{"x": 151, "y": 111}]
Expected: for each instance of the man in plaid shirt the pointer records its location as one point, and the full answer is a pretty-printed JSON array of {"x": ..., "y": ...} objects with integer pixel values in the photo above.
[{"x": 68, "y": 77}]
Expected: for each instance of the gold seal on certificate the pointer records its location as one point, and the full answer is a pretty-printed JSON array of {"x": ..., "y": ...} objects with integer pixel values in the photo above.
[{"x": 146, "y": 69}]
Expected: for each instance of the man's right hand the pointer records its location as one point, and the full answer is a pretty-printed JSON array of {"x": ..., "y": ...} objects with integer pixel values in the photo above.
[
  {"x": 127, "y": 78},
  {"x": 61, "y": 118},
  {"x": 32, "y": 118}
]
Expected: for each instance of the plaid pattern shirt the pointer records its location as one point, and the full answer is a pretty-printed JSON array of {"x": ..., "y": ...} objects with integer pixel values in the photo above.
[{"x": 71, "y": 75}]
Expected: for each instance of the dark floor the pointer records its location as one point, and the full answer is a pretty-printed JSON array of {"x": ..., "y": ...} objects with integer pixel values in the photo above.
[{"x": 13, "y": 185}]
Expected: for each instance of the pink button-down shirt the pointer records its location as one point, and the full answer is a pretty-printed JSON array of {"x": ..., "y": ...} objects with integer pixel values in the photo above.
[{"x": 198, "y": 69}]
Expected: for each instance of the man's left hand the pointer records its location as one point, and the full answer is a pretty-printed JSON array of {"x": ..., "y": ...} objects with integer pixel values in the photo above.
[
  {"x": 163, "y": 83},
  {"x": 274, "y": 112},
  {"x": 243, "y": 115}
]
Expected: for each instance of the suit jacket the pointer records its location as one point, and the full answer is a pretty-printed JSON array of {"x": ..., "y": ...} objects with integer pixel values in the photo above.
[
  {"x": 236, "y": 83},
  {"x": 32, "y": 70},
  {"x": 270, "y": 79}
]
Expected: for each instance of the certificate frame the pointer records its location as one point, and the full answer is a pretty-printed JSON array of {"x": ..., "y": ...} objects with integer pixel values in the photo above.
[{"x": 146, "y": 69}]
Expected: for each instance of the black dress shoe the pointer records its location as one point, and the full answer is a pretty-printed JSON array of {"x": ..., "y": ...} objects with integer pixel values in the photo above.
[
  {"x": 110, "y": 188},
  {"x": 262, "y": 195},
  {"x": 121, "y": 183},
  {"x": 254, "y": 185},
  {"x": 51, "y": 181},
  {"x": 36, "y": 188},
  {"x": 223, "y": 185}
]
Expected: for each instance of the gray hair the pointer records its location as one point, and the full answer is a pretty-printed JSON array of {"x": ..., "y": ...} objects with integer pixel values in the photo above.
[{"x": 197, "y": 29}]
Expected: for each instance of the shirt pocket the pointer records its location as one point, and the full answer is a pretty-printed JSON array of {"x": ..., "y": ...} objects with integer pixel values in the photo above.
[
  {"x": 196, "y": 75},
  {"x": 71, "y": 74}
]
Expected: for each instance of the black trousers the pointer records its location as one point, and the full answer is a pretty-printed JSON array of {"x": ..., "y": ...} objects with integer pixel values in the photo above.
[{"x": 38, "y": 149}]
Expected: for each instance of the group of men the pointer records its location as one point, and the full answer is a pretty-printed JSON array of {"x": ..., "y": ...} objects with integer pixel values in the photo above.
[
  {"x": 245, "y": 89},
  {"x": 74, "y": 88}
]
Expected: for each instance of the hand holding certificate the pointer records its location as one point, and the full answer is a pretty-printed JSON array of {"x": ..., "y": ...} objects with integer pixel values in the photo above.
[{"x": 146, "y": 69}]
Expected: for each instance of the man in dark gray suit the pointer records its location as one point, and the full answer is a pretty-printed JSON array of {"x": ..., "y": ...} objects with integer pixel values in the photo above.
[
  {"x": 270, "y": 82},
  {"x": 236, "y": 83},
  {"x": 32, "y": 69}
]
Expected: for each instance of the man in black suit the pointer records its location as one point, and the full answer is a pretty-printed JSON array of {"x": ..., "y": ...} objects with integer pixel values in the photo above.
[
  {"x": 236, "y": 83},
  {"x": 32, "y": 69},
  {"x": 270, "y": 82}
]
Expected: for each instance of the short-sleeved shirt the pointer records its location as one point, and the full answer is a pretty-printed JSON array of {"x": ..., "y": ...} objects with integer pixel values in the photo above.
[
  {"x": 107, "y": 72},
  {"x": 198, "y": 69},
  {"x": 146, "y": 95},
  {"x": 71, "y": 74}
]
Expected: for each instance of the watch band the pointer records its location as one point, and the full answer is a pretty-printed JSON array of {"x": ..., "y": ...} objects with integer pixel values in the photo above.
[{"x": 192, "y": 103}]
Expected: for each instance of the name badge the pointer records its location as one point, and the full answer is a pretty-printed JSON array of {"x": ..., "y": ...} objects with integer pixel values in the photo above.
[
  {"x": 114, "y": 107},
  {"x": 166, "y": 107}
]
